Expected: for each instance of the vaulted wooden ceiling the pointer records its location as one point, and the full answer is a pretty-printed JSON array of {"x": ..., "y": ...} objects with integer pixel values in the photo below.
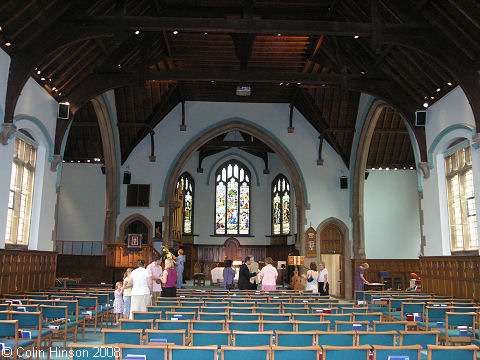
[{"x": 316, "y": 55}]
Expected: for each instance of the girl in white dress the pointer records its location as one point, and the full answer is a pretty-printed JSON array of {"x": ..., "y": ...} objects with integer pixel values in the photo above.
[{"x": 312, "y": 278}]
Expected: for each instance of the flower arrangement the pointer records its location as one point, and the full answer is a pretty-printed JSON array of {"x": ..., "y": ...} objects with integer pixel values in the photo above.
[{"x": 166, "y": 254}]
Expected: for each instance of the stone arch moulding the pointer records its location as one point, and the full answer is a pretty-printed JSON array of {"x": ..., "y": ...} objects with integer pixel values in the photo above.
[
  {"x": 252, "y": 129},
  {"x": 469, "y": 130},
  {"x": 134, "y": 217},
  {"x": 347, "y": 255}
]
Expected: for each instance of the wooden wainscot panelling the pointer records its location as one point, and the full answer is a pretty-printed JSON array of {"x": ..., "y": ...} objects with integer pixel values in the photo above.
[
  {"x": 119, "y": 257},
  {"x": 23, "y": 270},
  {"x": 399, "y": 271},
  {"x": 457, "y": 276},
  {"x": 210, "y": 256},
  {"x": 90, "y": 269}
]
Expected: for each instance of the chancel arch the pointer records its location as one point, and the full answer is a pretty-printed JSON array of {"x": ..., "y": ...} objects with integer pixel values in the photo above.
[{"x": 263, "y": 135}]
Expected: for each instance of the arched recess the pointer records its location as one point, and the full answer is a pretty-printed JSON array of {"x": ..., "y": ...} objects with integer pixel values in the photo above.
[
  {"x": 347, "y": 251},
  {"x": 249, "y": 128},
  {"x": 131, "y": 219},
  {"x": 361, "y": 156}
]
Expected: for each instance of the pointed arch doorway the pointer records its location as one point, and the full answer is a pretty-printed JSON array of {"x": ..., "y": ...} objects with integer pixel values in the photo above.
[{"x": 334, "y": 251}]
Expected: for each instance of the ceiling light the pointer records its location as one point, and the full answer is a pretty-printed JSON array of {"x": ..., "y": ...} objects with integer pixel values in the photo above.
[
  {"x": 88, "y": 160},
  {"x": 8, "y": 43},
  {"x": 449, "y": 83},
  {"x": 137, "y": 32},
  {"x": 205, "y": 33},
  {"x": 119, "y": 65},
  {"x": 387, "y": 168},
  {"x": 438, "y": 89},
  {"x": 411, "y": 167},
  {"x": 426, "y": 104},
  {"x": 379, "y": 168},
  {"x": 1, "y": 28},
  {"x": 175, "y": 32},
  {"x": 43, "y": 79},
  {"x": 395, "y": 169},
  {"x": 54, "y": 88},
  {"x": 299, "y": 83},
  {"x": 432, "y": 97},
  {"x": 38, "y": 72},
  {"x": 356, "y": 37},
  {"x": 212, "y": 81},
  {"x": 362, "y": 72},
  {"x": 279, "y": 34}
]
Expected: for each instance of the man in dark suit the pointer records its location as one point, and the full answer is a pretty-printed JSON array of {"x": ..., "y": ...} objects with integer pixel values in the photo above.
[{"x": 245, "y": 275}]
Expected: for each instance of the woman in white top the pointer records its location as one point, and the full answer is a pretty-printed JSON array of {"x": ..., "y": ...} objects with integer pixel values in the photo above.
[
  {"x": 268, "y": 276},
  {"x": 312, "y": 278},
  {"x": 323, "y": 279}
]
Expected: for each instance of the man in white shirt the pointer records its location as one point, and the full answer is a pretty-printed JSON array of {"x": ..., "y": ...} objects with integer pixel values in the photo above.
[
  {"x": 323, "y": 288},
  {"x": 155, "y": 270},
  {"x": 141, "y": 289}
]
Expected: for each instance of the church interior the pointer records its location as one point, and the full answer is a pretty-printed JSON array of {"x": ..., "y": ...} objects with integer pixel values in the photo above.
[{"x": 338, "y": 133}]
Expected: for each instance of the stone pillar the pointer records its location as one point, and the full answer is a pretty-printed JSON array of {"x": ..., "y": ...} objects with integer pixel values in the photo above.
[{"x": 111, "y": 170}]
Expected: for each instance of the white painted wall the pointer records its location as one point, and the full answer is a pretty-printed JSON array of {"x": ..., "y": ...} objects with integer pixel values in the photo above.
[
  {"x": 35, "y": 110},
  {"x": 452, "y": 110},
  {"x": 392, "y": 220},
  {"x": 81, "y": 215}
]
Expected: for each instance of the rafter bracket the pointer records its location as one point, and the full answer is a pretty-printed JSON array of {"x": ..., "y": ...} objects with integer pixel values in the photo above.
[
  {"x": 7, "y": 130},
  {"x": 57, "y": 159},
  {"x": 425, "y": 169}
]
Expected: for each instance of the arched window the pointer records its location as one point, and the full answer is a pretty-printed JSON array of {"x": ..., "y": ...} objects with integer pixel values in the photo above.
[
  {"x": 21, "y": 190},
  {"x": 186, "y": 186},
  {"x": 232, "y": 198},
  {"x": 462, "y": 215},
  {"x": 280, "y": 206}
]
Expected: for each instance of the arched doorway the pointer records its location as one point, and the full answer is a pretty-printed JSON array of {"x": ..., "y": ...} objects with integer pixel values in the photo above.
[
  {"x": 264, "y": 136},
  {"x": 335, "y": 251},
  {"x": 136, "y": 224}
]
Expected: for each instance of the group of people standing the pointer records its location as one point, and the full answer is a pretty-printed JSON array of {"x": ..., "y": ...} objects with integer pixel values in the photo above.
[
  {"x": 317, "y": 280},
  {"x": 250, "y": 276},
  {"x": 146, "y": 283}
]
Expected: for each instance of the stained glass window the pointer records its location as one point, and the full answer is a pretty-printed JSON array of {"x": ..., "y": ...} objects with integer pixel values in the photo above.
[
  {"x": 232, "y": 199},
  {"x": 280, "y": 206},
  {"x": 186, "y": 185},
  {"x": 462, "y": 215}
]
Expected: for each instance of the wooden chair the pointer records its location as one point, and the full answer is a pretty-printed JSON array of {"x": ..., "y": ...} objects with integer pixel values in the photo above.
[{"x": 198, "y": 275}]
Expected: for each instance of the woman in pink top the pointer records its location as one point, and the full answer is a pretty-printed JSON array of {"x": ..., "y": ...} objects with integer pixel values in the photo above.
[
  {"x": 169, "y": 279},
  {"x": 268, "y": 276}
]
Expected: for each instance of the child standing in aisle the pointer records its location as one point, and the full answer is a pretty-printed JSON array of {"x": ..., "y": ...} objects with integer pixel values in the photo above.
[{"x": 118, "y": 302}]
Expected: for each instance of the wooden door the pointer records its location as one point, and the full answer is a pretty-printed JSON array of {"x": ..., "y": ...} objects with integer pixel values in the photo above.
[{"x": 332, "y": 243}]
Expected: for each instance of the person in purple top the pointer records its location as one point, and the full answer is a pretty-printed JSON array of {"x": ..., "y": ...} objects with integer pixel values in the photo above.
[
  {"x": 360, "y": 280},
  {"x": 228, "y": 276},
  {"x": 169, "y": 279}
]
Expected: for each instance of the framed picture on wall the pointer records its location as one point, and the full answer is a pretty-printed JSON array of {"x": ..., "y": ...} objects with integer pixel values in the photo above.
[{"x": 157, "y": 236}]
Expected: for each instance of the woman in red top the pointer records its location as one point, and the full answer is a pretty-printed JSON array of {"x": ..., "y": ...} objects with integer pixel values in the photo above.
[{"x": 169, "y": 279}]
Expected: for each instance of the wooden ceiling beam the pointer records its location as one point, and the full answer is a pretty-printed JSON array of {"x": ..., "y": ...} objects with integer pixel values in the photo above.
[{"x": 254, "y": 26}]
